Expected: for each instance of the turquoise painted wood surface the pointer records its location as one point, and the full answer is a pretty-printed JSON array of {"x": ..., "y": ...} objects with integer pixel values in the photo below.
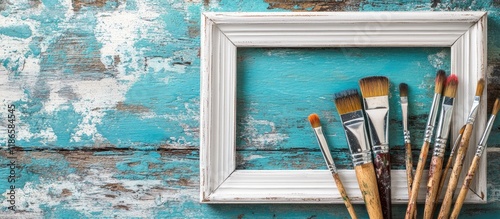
[{"x": 107, "y": 97}]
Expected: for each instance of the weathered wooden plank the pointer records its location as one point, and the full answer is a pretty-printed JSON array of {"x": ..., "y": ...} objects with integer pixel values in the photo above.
[{"x": 154, "y": 184}]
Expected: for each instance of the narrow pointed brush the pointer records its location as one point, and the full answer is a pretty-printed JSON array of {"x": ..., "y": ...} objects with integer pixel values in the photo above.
[
  {"x": 481, "y": 146},
  {"x": 431, "y": 120},
  {"x": 461, "y": 152},
  {"x": 375, "y": 91},
  {"x": 349, "y": 107},
  {"x": 450, "y": 160},
  {"x": 403, "y": 95},
  {"x": 325, "y": 150},
  {"x": 442, "y": 132}
]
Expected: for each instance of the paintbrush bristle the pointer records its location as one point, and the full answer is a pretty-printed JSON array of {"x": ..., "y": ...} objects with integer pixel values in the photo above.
[
  {"x": 451, "y": 86},
  {"x": 374, "y": 86},
  {"x": 440, "y": 78},
  {"x": 496, "y": 107},
  {"x": 480, "y": 87},
  {"x": 347, "y": 101},
  {"x": 314, "y": 120},
  {"x": 403, "y": 90}
]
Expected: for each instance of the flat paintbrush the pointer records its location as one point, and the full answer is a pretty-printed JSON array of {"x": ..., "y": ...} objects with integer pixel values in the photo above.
[
  {"x": 475, "y": 162},
  {"x": 442, "y": 132},
  {"x": 349, "y": 107},
  {"x": 325, "y": 150},
  {"x": 462, "y": 151},
  {"x": 403, "y": 95},
  {"x": 375, "y": 91},
  {"x": 450, "y": 160},
  {"x": 438, "y": 88}
]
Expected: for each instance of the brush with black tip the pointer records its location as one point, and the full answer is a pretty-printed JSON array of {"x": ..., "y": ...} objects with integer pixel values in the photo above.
[
  {"x": 450, "y": 160},
  {"x": 442, "y": 132},
  {"x": 475, "y": 162},
  {"x": 461, "y": 152},
  {"x": 348, "y": 105},
  {"x": 375, "y": 91},
  {"x": 429, "y": 130},
  {"x": 325, "y": 150},
  {"x": 403, "y": 95}
]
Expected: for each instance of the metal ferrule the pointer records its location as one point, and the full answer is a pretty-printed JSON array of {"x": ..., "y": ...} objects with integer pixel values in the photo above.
[
  {"x": 482, "y": 143},
  {"x": 473, "y": 110},
  {"x": 355, "y": 132},
  {"x": 404, "y": 110},
  {"x": 377, "y": 110},
  {"x": 443, "y": 129},
  {"x": 429, "y": 129},
  {"x": 324, "y": 149}
]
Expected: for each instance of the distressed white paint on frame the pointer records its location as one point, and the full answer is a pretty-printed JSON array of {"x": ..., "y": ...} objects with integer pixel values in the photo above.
[{"x": 222, "y": 33}]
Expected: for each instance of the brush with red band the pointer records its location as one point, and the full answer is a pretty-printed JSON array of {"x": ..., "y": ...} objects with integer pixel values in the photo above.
[
  {"x": 442, "y": 132},
  {"x": 429, "y": 130},
  {"x": 462, "y": 151}
]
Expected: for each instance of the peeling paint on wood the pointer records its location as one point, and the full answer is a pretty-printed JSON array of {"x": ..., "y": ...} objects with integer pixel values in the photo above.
[{"x": 108, "y": 98}]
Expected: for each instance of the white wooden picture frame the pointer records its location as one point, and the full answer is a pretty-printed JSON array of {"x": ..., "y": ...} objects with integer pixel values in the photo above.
[{"x": 223, "y": 33}]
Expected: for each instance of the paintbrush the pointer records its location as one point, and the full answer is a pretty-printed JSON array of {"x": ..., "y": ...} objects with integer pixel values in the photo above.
[
  {"x": 375, "y": 91},
  {"x": 442, "y": 132},
  {"x": 461, "y": 152},
  {"x": 325, "y": 150},
  {"x": 349, "y": 107},
  {"x": 450, "y": 159},
  {"x": 475, "y": 162},
  {"x": 431, "y": 120},
  {"x": 403, "y": 95}
]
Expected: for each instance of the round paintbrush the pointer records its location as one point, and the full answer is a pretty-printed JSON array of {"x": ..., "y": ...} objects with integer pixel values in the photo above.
[
  {"x": 475, "y": 162},
  {"x": 325, "y": 150},
  {"x": 438, "y": 89},
  {"x": 462, "y": 151}
]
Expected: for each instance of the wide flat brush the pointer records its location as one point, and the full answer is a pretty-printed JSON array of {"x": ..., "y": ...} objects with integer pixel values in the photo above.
[
  {"x": 450, "y": 160},
  {"x": 375, "y": 91},
  {"x": 349, "y": 107},
  {"x": 325, "y": 150},
  {"x": 475, "y": 162},
  {"x": 462, "y": 151},
  {"x": 431, "y": 120},
  {"x": 403, "y": 95},
  {"x": 442, "y": 132}
]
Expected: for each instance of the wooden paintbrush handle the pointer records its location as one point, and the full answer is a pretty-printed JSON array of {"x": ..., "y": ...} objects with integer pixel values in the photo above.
[
  {"x": 412, "y": 203},
  {"x": 444, "y": 175},
  {"x": 465, "y": 187},
  {"x": 344, "y": 196},
  {"x": 367, "y": 181},
  {"x": 435, "y": 171},
  {"x": 383, "y": 172},
  {"x": 409, "y": 167},
  {"x": 455, "y": 173}
]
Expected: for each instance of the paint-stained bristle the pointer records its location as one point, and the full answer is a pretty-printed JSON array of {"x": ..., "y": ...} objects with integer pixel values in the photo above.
[
  {"x": 403, "y": 90},
  {"x": 347, "y": 101},
  {"x": 374, "y": 86},
  {"x": 480, "y": 87},
  {"x": 451, "y": 86},
  {"x": 496, "y": 107},
  {"x": 440, "y": 78},
  {"x": 314, "y": 120}
]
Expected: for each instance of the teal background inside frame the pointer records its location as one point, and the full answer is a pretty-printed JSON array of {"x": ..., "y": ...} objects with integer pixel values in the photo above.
[{"x": 278, "y": 88}]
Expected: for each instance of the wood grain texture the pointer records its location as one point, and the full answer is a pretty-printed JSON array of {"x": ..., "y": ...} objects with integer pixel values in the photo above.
[
  {"x": 367, "y": 181},
  {"x": 109, "y": 93}
]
